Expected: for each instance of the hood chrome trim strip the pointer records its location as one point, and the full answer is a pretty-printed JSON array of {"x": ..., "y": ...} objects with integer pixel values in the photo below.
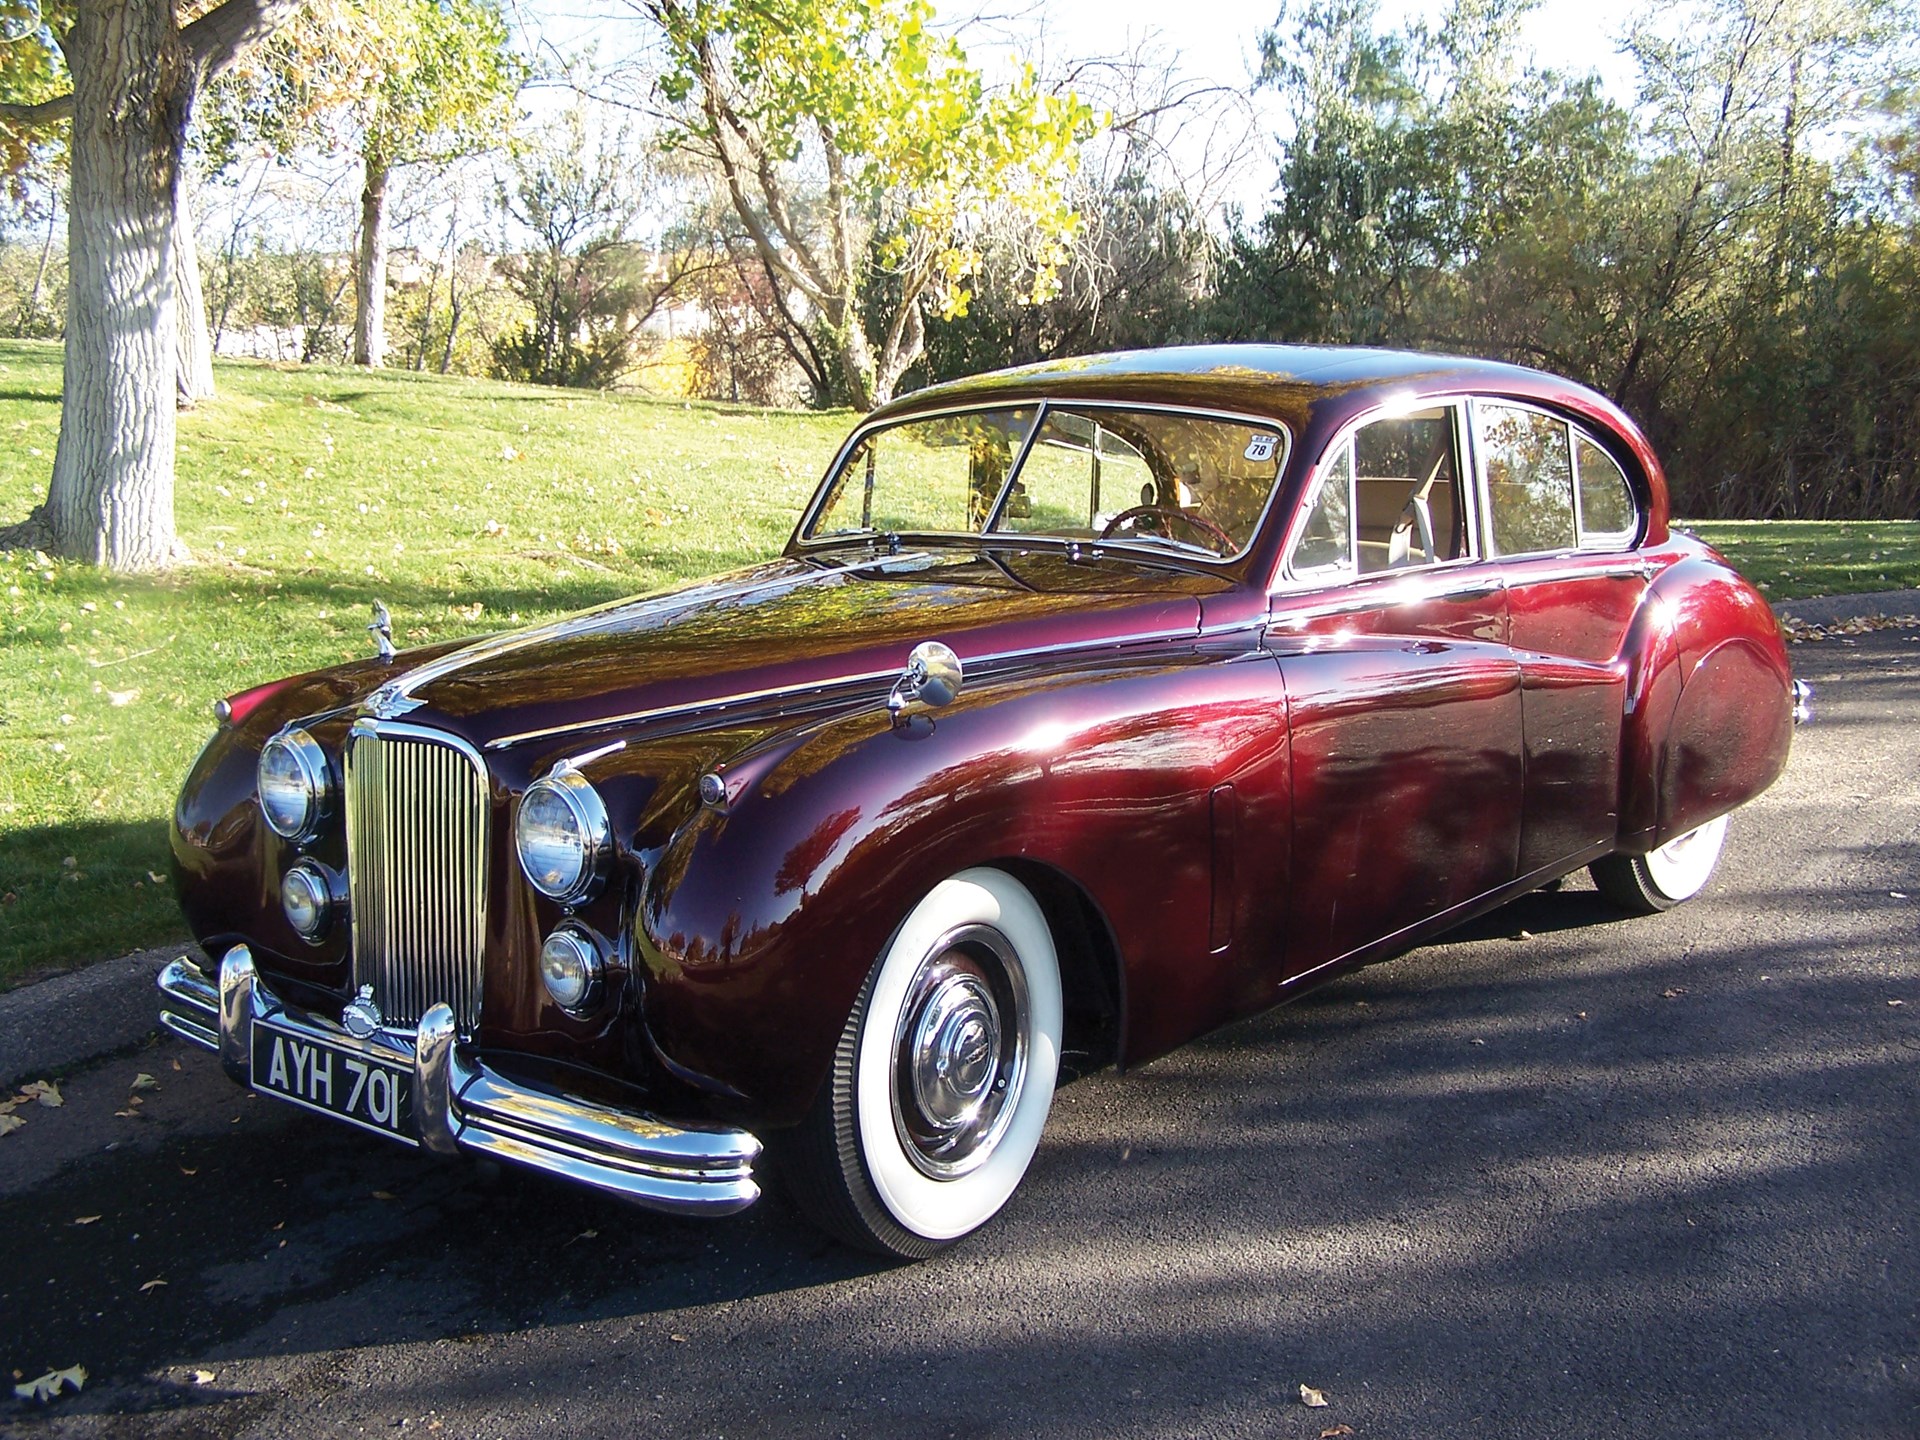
[
  {"x": 826, "y": 687},
  {"x": 396, "y": 693}
]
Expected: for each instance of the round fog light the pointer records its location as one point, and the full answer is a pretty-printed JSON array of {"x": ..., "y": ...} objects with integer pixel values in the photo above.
[
  {"x": 570, "y": 966},
  {"x": 307, "y": 897}
]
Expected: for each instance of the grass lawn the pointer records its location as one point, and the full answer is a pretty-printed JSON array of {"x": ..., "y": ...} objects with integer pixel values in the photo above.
[
  {"x": 1790, "y": 559},
  {"x": 467, "y": 506}
]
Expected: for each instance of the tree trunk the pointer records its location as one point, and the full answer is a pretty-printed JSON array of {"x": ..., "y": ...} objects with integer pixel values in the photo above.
[
  {"x": 193, "y": 345},
  {"x": 370, "y": 271},
  {"x": 111, "y": 498},
  {"x": 855, "y": 354}
]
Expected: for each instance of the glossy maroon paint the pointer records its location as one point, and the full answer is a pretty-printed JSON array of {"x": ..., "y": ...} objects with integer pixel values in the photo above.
[{"x": 1221, "y": 785}]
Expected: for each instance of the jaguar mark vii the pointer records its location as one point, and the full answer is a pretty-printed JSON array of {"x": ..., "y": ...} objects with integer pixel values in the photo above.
[{"x": 1090, "y": 707}]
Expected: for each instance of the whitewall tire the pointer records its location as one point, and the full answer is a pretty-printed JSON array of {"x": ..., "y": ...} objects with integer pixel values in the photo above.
[
  {"x": 943, "y": 1077},
  {"x": 1661, "y": 879}
]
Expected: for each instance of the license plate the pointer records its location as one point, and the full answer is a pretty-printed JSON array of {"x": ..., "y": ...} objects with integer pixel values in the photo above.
[{"x": 335, "y": 1081}]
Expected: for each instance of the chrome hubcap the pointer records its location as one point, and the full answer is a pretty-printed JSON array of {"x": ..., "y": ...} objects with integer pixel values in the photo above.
[{"x": 959, "y": 1054}]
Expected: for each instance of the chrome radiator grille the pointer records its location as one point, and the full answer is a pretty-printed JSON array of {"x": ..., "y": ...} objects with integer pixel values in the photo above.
[{"x": 416, "y": 807}]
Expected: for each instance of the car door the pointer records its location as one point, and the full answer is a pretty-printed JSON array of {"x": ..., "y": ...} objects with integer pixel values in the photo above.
[
  {"x": 1562, "y": 520},
  {"x": 1403, "y": 695}
]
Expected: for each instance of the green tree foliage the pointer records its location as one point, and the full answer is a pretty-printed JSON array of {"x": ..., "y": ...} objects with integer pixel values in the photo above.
[
  {"x": 402, "y": 82},
  {"x": 1137, "y": 275},
  {"x": 1716, "y": 260},
  {"x": 590, "y": 286},
  {"x": 861, "y": 151},
  {"x": 31, "y": 72}
]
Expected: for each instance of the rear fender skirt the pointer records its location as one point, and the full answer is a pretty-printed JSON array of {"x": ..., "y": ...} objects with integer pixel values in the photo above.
[{"x": 1709, "y": 702}]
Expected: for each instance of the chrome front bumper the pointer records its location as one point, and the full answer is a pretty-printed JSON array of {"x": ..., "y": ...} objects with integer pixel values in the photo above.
[{"x": 459, "y": 1104}]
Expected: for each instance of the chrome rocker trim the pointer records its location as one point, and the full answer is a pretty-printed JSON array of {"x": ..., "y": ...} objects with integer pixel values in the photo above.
[{"x": 459, "y": 1104}]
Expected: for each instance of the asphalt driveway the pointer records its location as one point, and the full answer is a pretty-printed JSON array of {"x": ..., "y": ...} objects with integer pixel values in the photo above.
[{"x": 1564, "y": 1174}]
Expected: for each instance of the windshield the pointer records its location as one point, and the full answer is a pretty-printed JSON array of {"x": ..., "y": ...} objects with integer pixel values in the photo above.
[{"x": 1175, "y": 481}]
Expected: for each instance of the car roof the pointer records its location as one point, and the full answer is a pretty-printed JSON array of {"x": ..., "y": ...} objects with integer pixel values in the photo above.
[{"x": 1263, "y": 378}]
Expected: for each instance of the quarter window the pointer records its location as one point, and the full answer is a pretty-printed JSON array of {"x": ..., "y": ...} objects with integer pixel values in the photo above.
[
  {"x": 1550, "y": 486},
  {"x": 1607, "y": 518}
]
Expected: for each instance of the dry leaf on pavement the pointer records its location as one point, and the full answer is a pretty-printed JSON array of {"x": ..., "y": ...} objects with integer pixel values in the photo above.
[
  {"x": 48, "y": 1386},
  {"x": 1312, "y": 1398}
]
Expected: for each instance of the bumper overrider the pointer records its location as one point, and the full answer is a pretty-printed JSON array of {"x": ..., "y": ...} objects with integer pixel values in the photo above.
[{"x": 459, "y": 1104}]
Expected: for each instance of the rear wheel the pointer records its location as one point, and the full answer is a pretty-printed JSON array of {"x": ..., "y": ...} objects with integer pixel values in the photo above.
[
  {"x": 943, "y": 1077},
  {"x": 1661, "y": 879}
]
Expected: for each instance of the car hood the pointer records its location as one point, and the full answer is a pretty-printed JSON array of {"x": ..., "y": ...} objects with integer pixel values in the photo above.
[{"x": 788, "y": 626}]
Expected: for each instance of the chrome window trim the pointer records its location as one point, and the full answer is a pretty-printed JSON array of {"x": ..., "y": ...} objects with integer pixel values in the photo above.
[{"x": 806, "y": 543}]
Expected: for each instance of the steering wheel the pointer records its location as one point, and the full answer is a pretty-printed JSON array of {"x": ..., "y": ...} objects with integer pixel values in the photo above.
[{"x": 1197, "y": 522}]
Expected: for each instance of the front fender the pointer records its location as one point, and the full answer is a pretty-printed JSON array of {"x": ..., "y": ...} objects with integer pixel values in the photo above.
[{"x": 764, "y": 915}]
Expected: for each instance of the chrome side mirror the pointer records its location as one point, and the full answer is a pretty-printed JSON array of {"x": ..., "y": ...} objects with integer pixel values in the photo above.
[{"x": 930, "y": 681}]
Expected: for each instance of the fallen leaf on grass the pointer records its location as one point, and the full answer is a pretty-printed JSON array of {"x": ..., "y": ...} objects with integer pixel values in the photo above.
[
  {"x": 1896, "y": 1002},
  {"x": 383, "y": 1195},
  {"x": 203, "y": 1377},
  {"x": 45, "y": 1091},
  {"x": 151, "y": 1285},
  {"x": 1312, "y": 1398},
  {"x": 83, "y": 1219},
  {"x": 1674, "y": 993},
  {"x": 49, "y": 1385},
  {"x": 10, "y": 1123},
  {"x": 142, "y": 1081},
  {"x": 1332, "y": 1430},
  {"x": 678, "y": 1339}
]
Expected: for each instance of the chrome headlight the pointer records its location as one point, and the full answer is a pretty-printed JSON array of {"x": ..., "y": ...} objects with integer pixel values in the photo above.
[
  {"x": 570, "y": 965},
  {"x": 296, "y": 785},
  {"x": 562, "y": 836}
]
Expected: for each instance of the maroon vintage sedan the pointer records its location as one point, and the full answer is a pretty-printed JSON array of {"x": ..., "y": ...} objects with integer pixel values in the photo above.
[{"x": 1092, "y": 706}]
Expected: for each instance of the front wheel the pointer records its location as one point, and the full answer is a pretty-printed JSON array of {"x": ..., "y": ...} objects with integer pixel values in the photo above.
[
  {"x": 1661, "y": 879},
  {"x": 943, "y": 1077}
]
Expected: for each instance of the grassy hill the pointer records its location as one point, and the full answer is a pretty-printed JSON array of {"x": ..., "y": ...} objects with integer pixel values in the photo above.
[
  {"x": 467, "y": 506},
  {"x": 305, "y": 494}
]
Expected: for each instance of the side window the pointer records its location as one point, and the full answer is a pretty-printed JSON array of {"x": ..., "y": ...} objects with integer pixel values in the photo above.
[
  {"x": 1392, "y": 499},
  {"x": 1608, "y": 520},
  {"x": 1529, "y": 466}
]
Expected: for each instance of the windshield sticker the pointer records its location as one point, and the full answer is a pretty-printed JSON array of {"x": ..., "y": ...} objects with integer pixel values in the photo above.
[{"x": 1261, "y": 447}]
